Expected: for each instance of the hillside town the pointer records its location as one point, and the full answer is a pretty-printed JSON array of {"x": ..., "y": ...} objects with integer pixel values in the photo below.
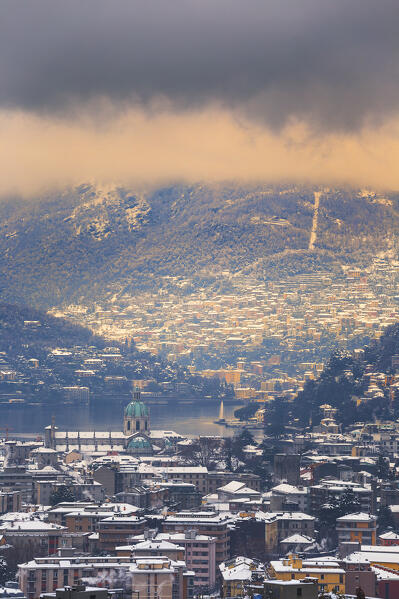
[
  {"x": 150, "y": 513},
  {"x": 45, "y": 360},
  {"x": 260, "y": 338}
]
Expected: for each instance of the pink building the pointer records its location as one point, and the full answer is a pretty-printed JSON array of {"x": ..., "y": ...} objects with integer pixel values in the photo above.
[{"x": 200, "y": 553}]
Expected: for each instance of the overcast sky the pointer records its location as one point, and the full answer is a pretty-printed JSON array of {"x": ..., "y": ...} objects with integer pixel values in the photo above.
[{"x": 296, "y": 74}]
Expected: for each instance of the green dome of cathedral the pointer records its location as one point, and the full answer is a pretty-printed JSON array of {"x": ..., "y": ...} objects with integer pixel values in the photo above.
[
  {"x": 139, "y": 443},
  {"x": 136, "y": 409}
]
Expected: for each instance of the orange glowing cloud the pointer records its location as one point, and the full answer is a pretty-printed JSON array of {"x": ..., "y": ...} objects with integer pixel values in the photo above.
[{"x": 143, "y": 148}]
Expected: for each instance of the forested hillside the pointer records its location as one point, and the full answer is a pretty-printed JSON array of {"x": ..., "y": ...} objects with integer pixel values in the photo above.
[
  {"x": 41, "y": 354},
  {"x": 361, "y": 386},
  {"x": 91, "y": 242}
]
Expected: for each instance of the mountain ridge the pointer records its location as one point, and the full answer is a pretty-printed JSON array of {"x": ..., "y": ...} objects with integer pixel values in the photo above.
[{"x": 91, "y": 240}]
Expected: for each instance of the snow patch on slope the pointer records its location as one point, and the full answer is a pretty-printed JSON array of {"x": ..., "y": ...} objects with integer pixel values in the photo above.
[{"x": 105, "y": 210}]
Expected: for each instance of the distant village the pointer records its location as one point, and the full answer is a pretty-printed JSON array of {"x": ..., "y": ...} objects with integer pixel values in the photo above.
[{"x": 264, "y": 339}]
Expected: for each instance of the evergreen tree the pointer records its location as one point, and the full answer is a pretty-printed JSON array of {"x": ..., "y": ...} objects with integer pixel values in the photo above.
[
  {"x": 62, "y": 494},
  {"x": 383, "y": 467},
  {"x": 385, "y": 519},
  {"x": 276, "y": 417},
  {"x": 5, "y": 572}
]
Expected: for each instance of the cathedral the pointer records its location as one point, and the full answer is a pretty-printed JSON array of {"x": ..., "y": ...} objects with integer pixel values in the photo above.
[
  {"x": 136, "y": 439},
  {"x": 136, "y": 428}
]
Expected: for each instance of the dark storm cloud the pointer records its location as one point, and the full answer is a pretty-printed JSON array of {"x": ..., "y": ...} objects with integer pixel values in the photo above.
[{"x": 331, "y": 62}]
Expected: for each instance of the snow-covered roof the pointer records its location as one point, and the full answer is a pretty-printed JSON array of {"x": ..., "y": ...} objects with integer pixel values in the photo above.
[
  {"x": 283, "y": 516},
  {"x": 162, "y": 545},
  {"x": 383, "y": 557},
  {"x": 298, "y": 539},
  {"x": 29, "y": 526},
  {"x": 119, "y": 519},
  {"x": 240, "y": 568},
  {"x": 240, "y": 572},
  {"x": 232, "y": 486},
  {"x": 281, "y": 566},
  {"x": 384, "y": 574},
  {"x": 389, "y": 536},
  {"x": 288, "y": 489},
  {"x": 357, "y": 517}
]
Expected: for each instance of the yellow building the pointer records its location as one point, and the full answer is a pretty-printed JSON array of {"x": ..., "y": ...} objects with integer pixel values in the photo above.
[
  {"x": 377, "y": 555},
  {"x": 245, "y": 393},
  {"x": 232, "y": 377},
  {"x": 330, "y": 577},
  {"x": 237, "y": 573},
  {"x": 359, "y": 527}
]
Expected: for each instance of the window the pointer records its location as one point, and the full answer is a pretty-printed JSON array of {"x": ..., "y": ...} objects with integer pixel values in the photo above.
[{"x": 55, "y": 579}]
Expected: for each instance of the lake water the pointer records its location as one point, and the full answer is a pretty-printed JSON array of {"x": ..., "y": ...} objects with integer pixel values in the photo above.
[{"x": 186, "y": 419}]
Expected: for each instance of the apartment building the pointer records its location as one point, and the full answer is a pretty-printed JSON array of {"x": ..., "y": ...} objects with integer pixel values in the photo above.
[
  {"x": 220, "y": 479},
  {"x": 237, "y": 573},
  {"x": 330, "y": 576},
  {"x": 151, "y": 577},
  {"x": 84, "y": 516},
  {"x": 116, "y": 530},
  {"x": 329, "y": 489},
  {"x": 280, "y": 525},
  {"x": 358, "y": 527},
  {"x": 285, "y": 495},
  {"x": 209, "y": 524},
  {"x": 161, "y": 578},
  {"x": 58, "y": 513},
  {"x": 197, "y": 475},
  {"x": 377, "y": 555},
  {"x": 32, "y": 537},
  {"x": 158, "y": 548},
  {"x": 199, "y": 553}
]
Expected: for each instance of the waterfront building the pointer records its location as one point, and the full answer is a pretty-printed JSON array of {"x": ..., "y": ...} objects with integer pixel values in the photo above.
[{"x": 136, "y": 438}]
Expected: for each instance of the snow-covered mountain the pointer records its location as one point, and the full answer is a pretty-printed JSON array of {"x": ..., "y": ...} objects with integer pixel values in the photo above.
[{"x": 94, "y": 240}]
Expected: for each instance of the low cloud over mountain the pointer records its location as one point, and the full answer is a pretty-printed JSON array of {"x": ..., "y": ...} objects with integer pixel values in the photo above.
[{"x": 156, "y": 91}]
